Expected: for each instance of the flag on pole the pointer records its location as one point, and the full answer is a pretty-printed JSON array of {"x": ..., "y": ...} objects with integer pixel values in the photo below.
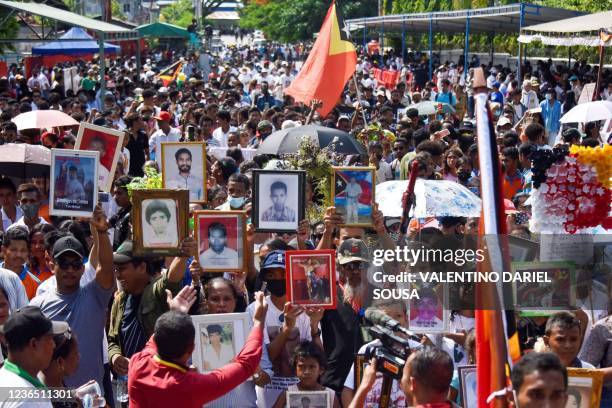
[
  {"x": 329, "y": 66},
  {"x": 496, "y": 334},
  {"x": 170, "y": 73}
]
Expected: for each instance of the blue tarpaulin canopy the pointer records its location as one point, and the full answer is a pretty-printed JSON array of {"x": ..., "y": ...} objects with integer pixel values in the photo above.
[{"x": 79, "y": 46}]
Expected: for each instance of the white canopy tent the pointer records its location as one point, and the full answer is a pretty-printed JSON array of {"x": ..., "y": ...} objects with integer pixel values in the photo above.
[{"x": 582, "y": 30}]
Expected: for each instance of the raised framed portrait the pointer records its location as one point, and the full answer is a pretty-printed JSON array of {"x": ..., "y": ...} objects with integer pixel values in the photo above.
[
  {"x": 545, "y": 297},
  {"x": 159, "y": 221},
  {"x": 521, "y": 249},
  {"x": 309, "y": 399},
  {"x": 426, "y": 313},
  {"x": 360, "y": 363},
  {"x": 74, "y": 188},
  {"x": 221, "y": 237},
  {"x": 311, "y": 278},
  {"x": 108, "y": 143},
  {"x": 183, "y": 167},
  {"x": 352, "y": 193},
  {"x": 278, "y": 200},
  {"x": 584, "y": 388},
  {"x": 219, "y": 338},
  {"x": 468, "y": 385}
]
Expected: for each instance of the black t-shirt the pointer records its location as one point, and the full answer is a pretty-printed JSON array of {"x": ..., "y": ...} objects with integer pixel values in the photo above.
[
  {"x": 131, "y": 334},
  {"x": 137, "y": 146},
  {"x": 342, "y": 339}
]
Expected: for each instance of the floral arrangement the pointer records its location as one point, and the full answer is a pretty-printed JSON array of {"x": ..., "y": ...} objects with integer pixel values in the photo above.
[
  {"x": 317, "y": 162},
  {"x": 151, "y": 180},
  {"x": 599, "y": 157},
  {"x": 375, "y": 133}
]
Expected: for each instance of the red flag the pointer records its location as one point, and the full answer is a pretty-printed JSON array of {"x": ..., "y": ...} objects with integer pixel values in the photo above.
[{"x": 330, "y": 64}]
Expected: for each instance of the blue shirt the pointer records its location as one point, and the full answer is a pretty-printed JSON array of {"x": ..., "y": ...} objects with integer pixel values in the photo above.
[
  {"x": 446, "y": 97},
  {"x": 551, "y": 115}
]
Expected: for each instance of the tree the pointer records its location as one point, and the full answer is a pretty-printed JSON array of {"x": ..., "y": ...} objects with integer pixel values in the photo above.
[
  {"x": 8, "y": 29},
  {"x": 179, "y": 13},
  {"x": 296, "y": 20}
]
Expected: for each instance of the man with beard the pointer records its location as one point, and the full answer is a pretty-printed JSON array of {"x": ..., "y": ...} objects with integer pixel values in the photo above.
[{"x": 184, "y": 179}]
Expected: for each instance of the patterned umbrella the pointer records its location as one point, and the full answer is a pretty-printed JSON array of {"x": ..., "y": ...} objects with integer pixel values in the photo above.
[{"x": 434, "y": 198}]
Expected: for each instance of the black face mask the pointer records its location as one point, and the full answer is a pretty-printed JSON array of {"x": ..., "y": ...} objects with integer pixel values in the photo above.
[
  {"x": 277, "y": 287},
  {"x": 463, "y": 176}
]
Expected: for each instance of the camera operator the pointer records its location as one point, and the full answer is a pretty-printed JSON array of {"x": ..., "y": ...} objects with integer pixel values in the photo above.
[
  {"x": 426, "y": 380},
  {"x": 395, "y": 309}
]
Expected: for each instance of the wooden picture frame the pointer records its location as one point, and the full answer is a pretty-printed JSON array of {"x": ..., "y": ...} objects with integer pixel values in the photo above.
[
  {"x": 197, "y": 193},
  {"x": 240, "y": 328},
  {"x": 311, "y": 278},
  {"x": 163, "y": 198},
  {"x": 360, "y": 362},
  {"x": 240, "y": 241},
  {"x": 111, "y": 143},
  {"x": 293, "y": 398},
  {"x": 73, "y": 190},
  {"x": 466, "y": 373},
  {"x": 589, "y": 379},
  {"x": 526, "y": 294},
  {"x": 339, "y": 180},
  {"x": 262, "y": 210}
]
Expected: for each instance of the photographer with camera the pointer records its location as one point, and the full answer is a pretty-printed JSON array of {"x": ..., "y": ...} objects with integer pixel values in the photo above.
[
  {"x": 425, "y": 381},
  {"x": 396, "y": 310}
]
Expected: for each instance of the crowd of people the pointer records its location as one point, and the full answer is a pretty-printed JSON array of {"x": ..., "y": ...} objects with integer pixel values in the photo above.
[{"x": 126, "y": 317}]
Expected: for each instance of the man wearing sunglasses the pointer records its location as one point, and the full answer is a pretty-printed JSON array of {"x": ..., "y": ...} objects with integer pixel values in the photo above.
[
  {"x": 83, "y": 307},
  {"x": 29, "y": 337}
]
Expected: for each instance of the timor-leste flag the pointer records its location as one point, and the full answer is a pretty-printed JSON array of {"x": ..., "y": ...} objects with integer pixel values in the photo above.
[
  {"x": 170, "y": 73},
  {"x": 330, "y": 64}
]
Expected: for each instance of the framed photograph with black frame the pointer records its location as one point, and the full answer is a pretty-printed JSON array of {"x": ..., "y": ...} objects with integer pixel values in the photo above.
[
  {"x": 352, "y": 193},
  {"x": 308, "y": 399},
  {"x": 467, "y": 385},
  {"x": 159, "y": 221},
  {"x": 73, "y": 191},
  {"x": 278, "y": 200},
  {"x": 183, "y": 166},
  {"x": 221, "y": 237},
  {"x": 108, "y": 142}
]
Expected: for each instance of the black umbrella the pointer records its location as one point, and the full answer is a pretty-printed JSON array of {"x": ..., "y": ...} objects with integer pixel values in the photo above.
[
  {"x": 288, "y": 140},
  {"x": 24, "y": 160}
]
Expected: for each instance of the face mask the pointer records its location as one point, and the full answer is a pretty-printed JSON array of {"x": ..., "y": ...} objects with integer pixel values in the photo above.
[
  {"x": 379, "y": 157},
  {"x": 548, "y": 97},
  {"x": 463, "y": 176},
  {"x": 277, "y": 287},
  {"x": 236, "y": 202},
  {"x": 29, "y": 210}
]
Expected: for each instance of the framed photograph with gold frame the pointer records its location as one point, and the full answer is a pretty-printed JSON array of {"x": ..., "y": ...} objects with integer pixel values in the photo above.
[
  {"x": 159, "y": 221},
  {"x": 584, "y": 387},
  {"x": 183, "y": 166},
  {"x": 360, "y": 361},
  {"x": 221, "y": 237},
  {"x": 352, "y": 193}
]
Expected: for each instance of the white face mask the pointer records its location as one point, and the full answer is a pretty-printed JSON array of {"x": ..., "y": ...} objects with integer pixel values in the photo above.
[{"x": 549, "y": 97}]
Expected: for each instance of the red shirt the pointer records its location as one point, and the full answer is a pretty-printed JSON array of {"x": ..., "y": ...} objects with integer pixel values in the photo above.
[{"x": 153, "y": 382}]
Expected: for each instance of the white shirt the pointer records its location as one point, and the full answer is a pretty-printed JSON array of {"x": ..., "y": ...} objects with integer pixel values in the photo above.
[
  {"x": 383, "y": 173},
  {"x": 158, "y": 137},
  {"x": 6, "y": 221},
  {"x": 22, "y": 223},
  {"x": 530, "y": 100},
  {"x": 221, "y": 137},
  {"x": 15, "y": 290},
  {"x": 9, "y": 379}
]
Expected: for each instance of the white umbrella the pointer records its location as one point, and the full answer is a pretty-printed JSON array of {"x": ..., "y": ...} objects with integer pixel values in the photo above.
[
  {"x": 24, "y": 160},
  {"x": 588, "y": 112},
  {"x": 434, "y": 198},
  {"x": 43, "y": 119}
]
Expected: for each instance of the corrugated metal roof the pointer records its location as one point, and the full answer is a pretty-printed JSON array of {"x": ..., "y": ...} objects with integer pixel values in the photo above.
[
  {"x": 590, "y": 22},
  {"x": 223, "y": 15},
  {"x": 67, "y": 17}
]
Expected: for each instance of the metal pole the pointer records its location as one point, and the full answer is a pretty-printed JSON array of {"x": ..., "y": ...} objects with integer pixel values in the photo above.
[
  {"x": 569, "y": 57},
  {"x": 403, "y": 38},
  {"x": 138, "y": 56},
  {"x": 466, "y": 48},
  {"x": 382, "y": 44},
  {"x": 102, "y": 67},
  {"x": 519, "y": 76},
  {"x": 365, "y": 40},
  {"x": 430, "y": 48},
  {"x": 601, "y": 60},
  {"x": 492, "y": 50}
]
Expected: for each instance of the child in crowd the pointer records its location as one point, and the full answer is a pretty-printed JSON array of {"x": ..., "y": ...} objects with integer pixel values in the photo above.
[
  {"x": 309, "y": 363},
  {"x": 563, "y": 337}
]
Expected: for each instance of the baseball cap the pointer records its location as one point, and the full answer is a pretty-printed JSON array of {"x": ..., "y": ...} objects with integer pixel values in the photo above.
[
  {"x": 353, "y": 250},
  {"x": 264, "y": 124},
  {"x": 275, "y": 259},
  {"x": 503, "y": 121},
  {"x": 67, "y": 244},
  {"x": 125, "y": 253},
  {"x": 573, "y": 78},
  {"x": 29, "y": 322},
  {"x": 163, "y": 115}
]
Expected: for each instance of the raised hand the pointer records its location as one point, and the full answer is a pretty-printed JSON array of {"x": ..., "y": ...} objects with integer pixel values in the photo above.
[{"x": 183, "y": 301}]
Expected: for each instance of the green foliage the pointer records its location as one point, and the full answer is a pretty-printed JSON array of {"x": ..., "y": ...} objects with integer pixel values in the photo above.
[
  {"x": 151, "y": 180},
  {"x": 116, "y": 10},
  {"x": 297, "y": 20},
  {"x": 179, "y": 13},
  {"x": 8, "y": 29}
]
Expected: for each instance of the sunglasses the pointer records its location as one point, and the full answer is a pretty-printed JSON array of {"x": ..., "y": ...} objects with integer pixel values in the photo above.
[{"x": 64, "y": 264}]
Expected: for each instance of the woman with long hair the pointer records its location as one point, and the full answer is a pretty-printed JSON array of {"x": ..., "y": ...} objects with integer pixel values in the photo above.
[{"x": 449, "y": 163}]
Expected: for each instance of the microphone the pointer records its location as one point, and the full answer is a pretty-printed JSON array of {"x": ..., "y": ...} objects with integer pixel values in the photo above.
[{"x": 377, "y": 317}]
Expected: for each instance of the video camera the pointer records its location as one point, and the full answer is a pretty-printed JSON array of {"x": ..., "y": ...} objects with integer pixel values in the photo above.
[{"x": 391, "y": 356}]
